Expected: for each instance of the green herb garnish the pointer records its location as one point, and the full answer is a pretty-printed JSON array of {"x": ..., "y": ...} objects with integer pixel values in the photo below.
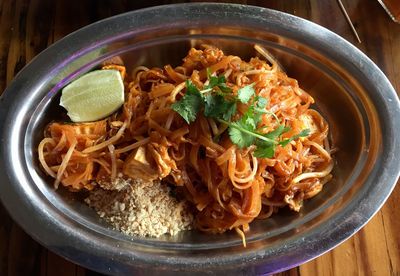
[
  {"x": 217, "y": 102},
  {"x": 245, "y": 93},
  {"x": 216, "y": 106},
  {"x": 219, "y": 82},
  {"x": 261, "y": 102},
  {"x": 303, "y": 133},
  {"x": 190, "y": 104}
]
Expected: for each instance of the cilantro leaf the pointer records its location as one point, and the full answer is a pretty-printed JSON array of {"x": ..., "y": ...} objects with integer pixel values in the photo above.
[
  {"x": 303, "y": 133},
  {"x": 252, "y": 115},
  {"x": 219, "y": 82},
  {"x": 238, "y": 136},
  {"x": 264, "y": 151},
  {"x": 262, "y": 102},
  {"x": 215, "y": 81},
  {"x": 249, "y": 119},
  {"x": 277, "y": 132},
  {"x": 245, "y": 93},
  {"x": 191, "y": 88},
  {"x": 224, "y": 88},
  {"x": 212, "y": 103},
  {"x": 218, "y": 107},
  {"x": 230, "y": 110},
  {"x": 190, "y": 104}
]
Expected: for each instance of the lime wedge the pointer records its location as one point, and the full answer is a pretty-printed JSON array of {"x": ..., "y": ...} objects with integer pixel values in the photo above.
[{"x": 93, "y": 96}]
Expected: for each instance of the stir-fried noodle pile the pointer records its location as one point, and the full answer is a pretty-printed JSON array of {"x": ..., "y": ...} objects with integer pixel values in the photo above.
[{"x": 228, "y": 185}]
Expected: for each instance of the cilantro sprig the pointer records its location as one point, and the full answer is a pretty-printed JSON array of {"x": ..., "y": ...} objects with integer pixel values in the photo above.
[
  {"x": 218, "y": 107},
  {"x": 217, "y": 101},
  {"x": 190, "y": 104}
]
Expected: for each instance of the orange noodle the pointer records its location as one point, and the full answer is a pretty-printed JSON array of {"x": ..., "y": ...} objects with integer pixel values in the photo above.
[{"x": 228, "y": 186}]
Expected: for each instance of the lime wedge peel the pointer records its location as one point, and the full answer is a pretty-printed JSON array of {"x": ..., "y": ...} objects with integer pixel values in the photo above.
[{"x": 93, "y": 96}]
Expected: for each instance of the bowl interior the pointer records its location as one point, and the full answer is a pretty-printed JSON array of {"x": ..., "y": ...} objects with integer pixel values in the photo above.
[{"x": 337, "y": 97}]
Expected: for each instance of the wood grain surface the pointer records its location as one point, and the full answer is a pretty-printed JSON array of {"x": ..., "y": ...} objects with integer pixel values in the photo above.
[{"x": 28, "y": 27}]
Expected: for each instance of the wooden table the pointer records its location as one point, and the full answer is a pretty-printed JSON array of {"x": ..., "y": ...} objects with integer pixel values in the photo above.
[{"x": 28, "y": 27}]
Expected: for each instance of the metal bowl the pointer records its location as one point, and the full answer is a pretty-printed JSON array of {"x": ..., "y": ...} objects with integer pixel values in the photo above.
[{"x": 350, "y": 91}]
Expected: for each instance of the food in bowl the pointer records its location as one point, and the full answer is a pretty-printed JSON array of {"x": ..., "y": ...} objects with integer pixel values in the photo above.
[{"x": 233, "y": 141}]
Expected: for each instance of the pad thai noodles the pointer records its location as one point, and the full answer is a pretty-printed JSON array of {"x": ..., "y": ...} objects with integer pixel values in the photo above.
[{"x": 236, "y": 138}]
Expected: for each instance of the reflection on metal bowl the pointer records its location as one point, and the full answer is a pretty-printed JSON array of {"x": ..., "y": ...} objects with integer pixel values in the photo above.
[{"x": 350, "y": 91}]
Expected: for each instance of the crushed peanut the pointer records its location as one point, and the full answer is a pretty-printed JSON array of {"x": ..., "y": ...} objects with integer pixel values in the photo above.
[{"x": 141, "y": 208}]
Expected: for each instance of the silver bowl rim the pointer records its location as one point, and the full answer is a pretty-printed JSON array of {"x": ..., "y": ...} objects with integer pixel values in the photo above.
[{"x": 40, "y": 223}]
